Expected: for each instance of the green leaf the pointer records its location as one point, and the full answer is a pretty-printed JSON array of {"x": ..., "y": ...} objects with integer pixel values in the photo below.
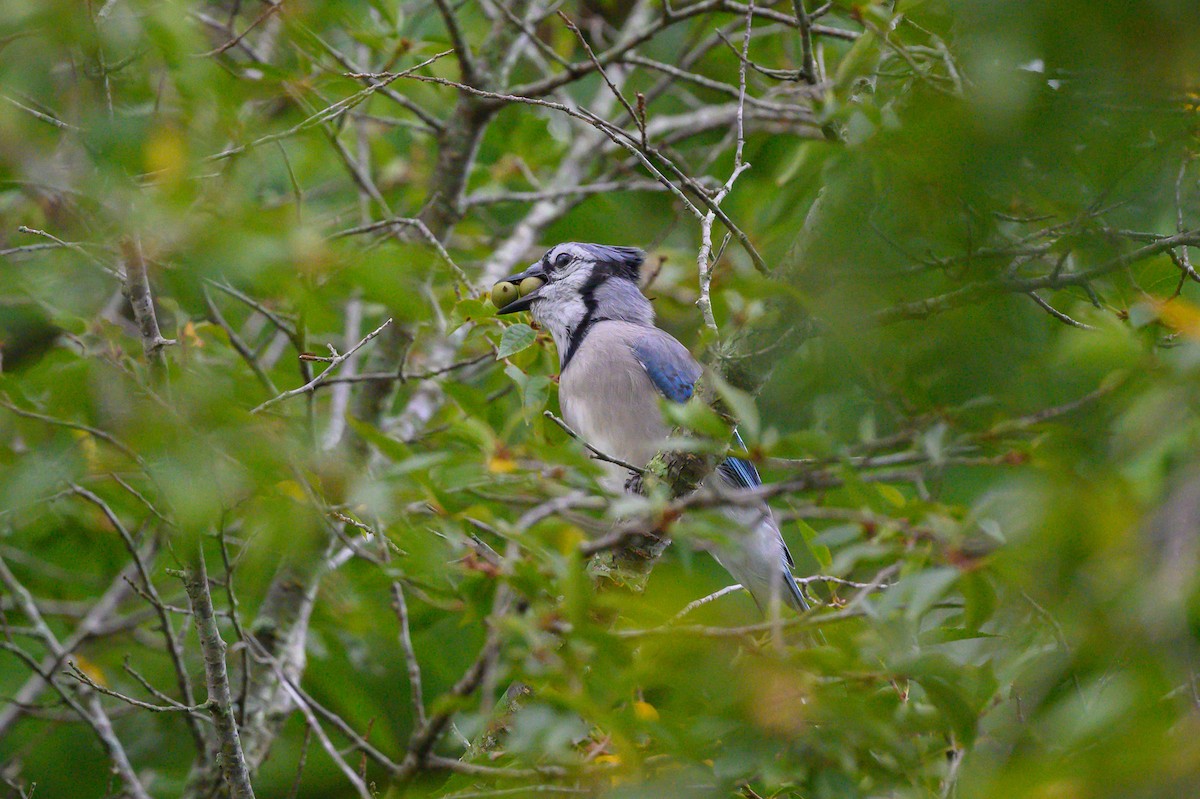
[
  {"x": 697, "y": 416},
  {"x": 741, "y": 405},
  {"x": 819, "y": 551},
  {"x": 393, "y": 450},
  {"x": 516, "y": 338},
  {"x": 927, "y": 588}
]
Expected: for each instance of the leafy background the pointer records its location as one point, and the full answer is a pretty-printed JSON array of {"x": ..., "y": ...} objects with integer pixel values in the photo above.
[{"x": 977, "y": 396}]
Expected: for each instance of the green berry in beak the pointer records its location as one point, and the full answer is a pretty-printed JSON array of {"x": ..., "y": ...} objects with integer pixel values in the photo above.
[
  {"x": 530, "y": 285},
  {"x": 504, "y": 293}
]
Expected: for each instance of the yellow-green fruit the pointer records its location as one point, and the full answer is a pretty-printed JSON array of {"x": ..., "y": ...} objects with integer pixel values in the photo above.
[
  {"x": 530, "y": 284},
  {"x": 503, "y": 293}
]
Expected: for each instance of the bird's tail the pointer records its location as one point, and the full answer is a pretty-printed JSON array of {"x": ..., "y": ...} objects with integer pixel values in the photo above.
[
  {"x": 793, "y": 595},
  {"x": 766, "y": 582},
  {"x": 758, "y": 559}
]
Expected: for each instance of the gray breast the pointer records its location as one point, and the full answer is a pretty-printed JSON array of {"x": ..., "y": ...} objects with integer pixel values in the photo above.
[{"x": 607, "y": 397}]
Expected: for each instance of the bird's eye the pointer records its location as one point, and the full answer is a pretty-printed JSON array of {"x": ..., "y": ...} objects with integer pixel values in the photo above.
[{"x": 562, "y": 260}]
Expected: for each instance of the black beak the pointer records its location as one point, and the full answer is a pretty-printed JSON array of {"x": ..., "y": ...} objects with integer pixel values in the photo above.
[{"x": 524, "y": 303}]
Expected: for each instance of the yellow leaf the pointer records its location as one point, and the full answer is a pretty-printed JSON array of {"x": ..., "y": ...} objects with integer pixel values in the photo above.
[
  {"x": 189, "y": 333},
  {"x": 1180, "y": 315},
  {"x": 569, "y": 538},
  {"x": 891, "y": 494},
  {"x": 165, "y": 154},
  {"x": 645, "y": 711},
  {"x": 89, "y": 450},
  {"x": 291, "y": 489},
  {"x": 499, "y": 464},
  {"x": 1066, "y": 788},
  {"x": 93, "y": 672},
  {"x": 614, "y": 760}
]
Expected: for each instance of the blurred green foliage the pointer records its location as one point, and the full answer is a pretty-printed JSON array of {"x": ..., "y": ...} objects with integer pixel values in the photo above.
[{"x": 1018, "y": 492}]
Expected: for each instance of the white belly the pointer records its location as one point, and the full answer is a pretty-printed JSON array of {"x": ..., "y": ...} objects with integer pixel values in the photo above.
[{"x": 609, "y": 400}]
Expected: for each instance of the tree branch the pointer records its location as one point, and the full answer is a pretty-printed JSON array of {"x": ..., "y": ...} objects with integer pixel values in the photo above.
[
  {"x": 462, "y": 51},
  {"x": 137, "y": 290},
  {"x": 320, "y": 379},
  {"x": 220, "y": 700}
]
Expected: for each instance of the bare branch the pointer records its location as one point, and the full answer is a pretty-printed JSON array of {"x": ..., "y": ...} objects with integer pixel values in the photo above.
[
  {"x": 420, "y": 227},
  {"x": 979, "y": 290},
  {"x": 93, "y": 431},
  {"x": 214, "y": 313},
  {"x": 704, "y": 600},
  {"x": 804, "y": 22},
  {"x": 117, "y": 592},
  {"x": 320, "y": 379},
  {"x": 328, "y": 114},
  {"x": 606, "y": 187},
  {"x": 53, "y": 120},
  {"x": 615, "y": 134},
  {"x": 410, "y": 655},
  {"x": 174, "y": 707},
  {"x": 168, "y": 629},
  {"x": 704, "y": 259},
  {"x": 462, "y": 50},
  {"x": 272, "y": 7},
  {"x": 93, "y": 714},
  {"x": 636, "y": 37},
  {"x": 137, "y": 290},
  {"x": 220, "y": 700},
  {"x": 639, "y": 119},
  {"x": 1057, "y": 314},
  {"x": 355, "y": 780}
]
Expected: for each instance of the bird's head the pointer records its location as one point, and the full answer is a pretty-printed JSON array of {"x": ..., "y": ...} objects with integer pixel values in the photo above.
[{"x": 575, "y": 284}]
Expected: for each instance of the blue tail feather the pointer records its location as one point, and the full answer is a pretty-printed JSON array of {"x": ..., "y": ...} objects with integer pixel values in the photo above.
[{"x": 794, "y": 590}]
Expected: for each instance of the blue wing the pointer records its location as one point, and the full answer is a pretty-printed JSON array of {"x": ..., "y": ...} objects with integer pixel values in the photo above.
[
  {"x": 674, "y": 373},
  {"x": 670, "y": 366}
]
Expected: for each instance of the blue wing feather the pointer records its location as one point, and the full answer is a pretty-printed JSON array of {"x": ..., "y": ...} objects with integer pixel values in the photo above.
[
  {"x": 674, "y": 373},
  {"x": 668, "y": 363}
]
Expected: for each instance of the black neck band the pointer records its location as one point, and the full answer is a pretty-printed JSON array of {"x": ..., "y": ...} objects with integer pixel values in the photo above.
[{"x": 579, "y": 334}]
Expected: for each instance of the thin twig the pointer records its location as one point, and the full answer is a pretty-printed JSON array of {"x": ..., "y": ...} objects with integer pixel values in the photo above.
[
  {"x": 1057, "y": 314},
  {"x": 804, "y": 21},
  {"x": 979, "y": 290},
  {"x": 272, "y": 7},
  {"x": 566, "y": 428},
  {"x": 704, "y": 261},
  {"x": 462, "y": 51},
  {"x": 639, "y": 119},
  {"x": 317, "y": 381},
  {"x": 93, "y": 431},
  {"x": 704, "y": 600},
  {"x": 183, "y": 680},
  {"x": 421, "y": 228},
  {"x": 75, "y": 672},
  {"x": 614, "y": 134},
  {"x": 330, "y": 113},
  {"x": 93, "y": 714},
  {"x": 214, "y": 313},
  {"x": 410, "y": 655}
]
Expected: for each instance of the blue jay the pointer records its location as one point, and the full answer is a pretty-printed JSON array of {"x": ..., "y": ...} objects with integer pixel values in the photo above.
[{"x": 614, "y": 364}]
